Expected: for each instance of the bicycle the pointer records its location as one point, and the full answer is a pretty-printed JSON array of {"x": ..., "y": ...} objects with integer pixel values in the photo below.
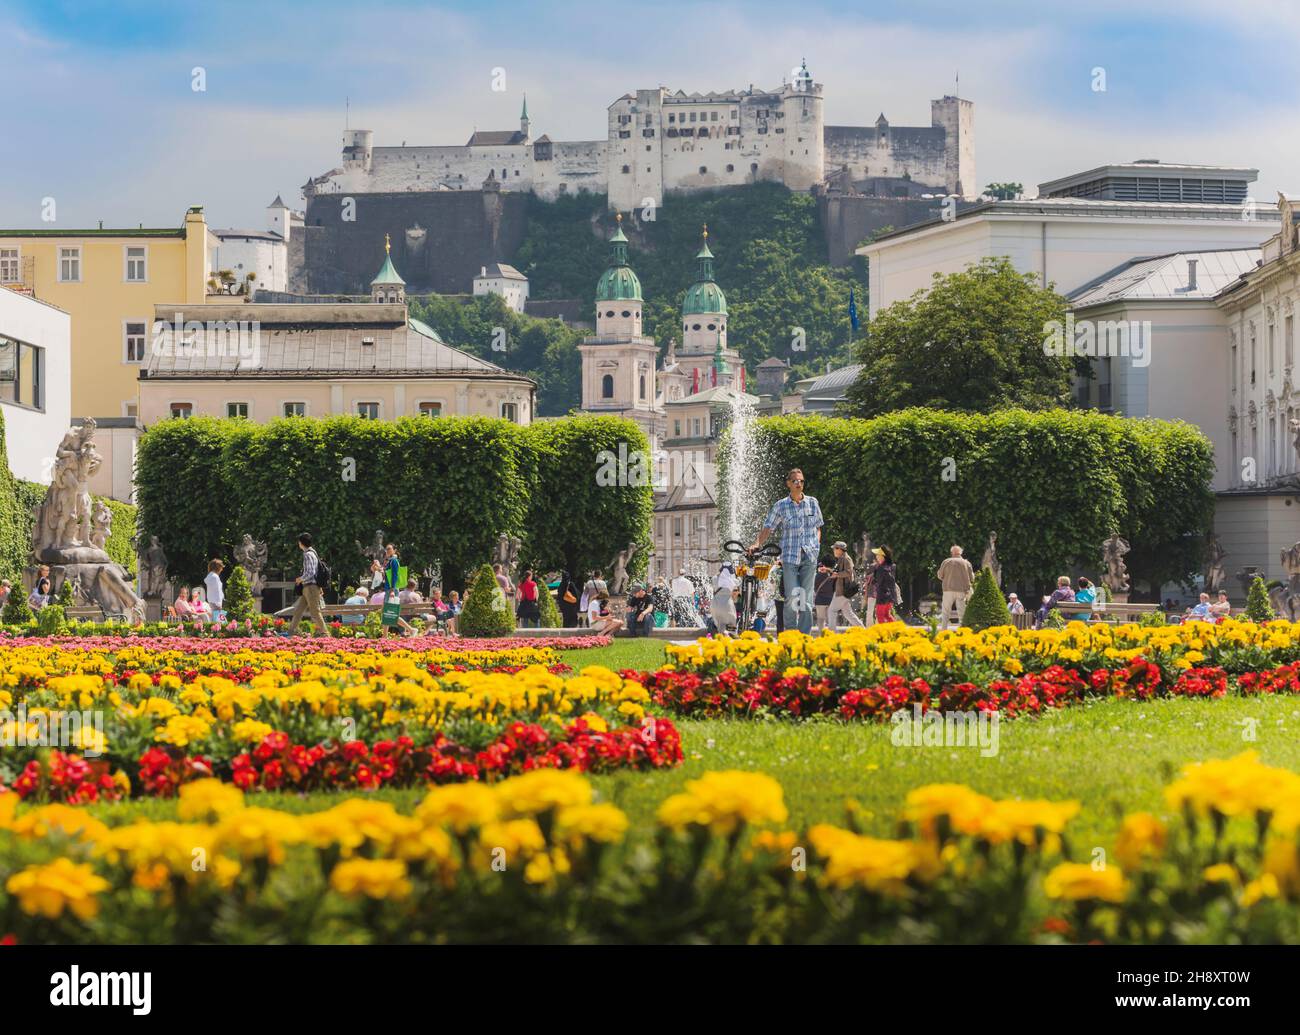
[{"x": 753, "y": 568}]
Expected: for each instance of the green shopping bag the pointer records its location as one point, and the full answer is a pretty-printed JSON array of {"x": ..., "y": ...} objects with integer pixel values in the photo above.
[{"x": 392, "y": 611}]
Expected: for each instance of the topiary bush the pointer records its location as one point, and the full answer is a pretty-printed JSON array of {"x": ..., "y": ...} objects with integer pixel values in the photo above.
[
  {"x": 50, "y": 620},
  {"x": 17, "y": 611},
  {"x": 486, "y": 611},
  {"x": 987, "y": 606},
  {"x": 65, "y": 594},
  {"x": 1258, "y": 607},
  {"x": 239, "y": 595},
  {"x": 549, "y": 609}
]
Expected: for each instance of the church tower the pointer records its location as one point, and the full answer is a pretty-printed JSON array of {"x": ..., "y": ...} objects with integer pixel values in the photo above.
[
  {"x": 387, "y": 285},
  {"x": 618, "y": 362},
  {"x": 704, "y": 328}
]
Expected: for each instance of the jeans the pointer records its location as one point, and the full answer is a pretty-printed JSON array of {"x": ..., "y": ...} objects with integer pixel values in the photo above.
[{"x": 799, "y": 579}]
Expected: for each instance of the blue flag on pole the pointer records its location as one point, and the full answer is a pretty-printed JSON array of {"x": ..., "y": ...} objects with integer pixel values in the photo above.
[{"x": 853, "y": 310}]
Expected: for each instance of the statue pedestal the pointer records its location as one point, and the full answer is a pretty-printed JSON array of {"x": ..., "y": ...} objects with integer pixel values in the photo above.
[{"x": 1118, "y": 598}]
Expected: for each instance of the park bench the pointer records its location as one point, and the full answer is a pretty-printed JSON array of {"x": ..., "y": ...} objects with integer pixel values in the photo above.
[
  {"x": 424, "y": 609},
  {"x": 1124, "y": 612},
  {"x": 85, "y": 613}
]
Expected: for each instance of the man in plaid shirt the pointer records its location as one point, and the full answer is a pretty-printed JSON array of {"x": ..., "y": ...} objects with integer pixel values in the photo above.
[{"x": 799, "y": 518}]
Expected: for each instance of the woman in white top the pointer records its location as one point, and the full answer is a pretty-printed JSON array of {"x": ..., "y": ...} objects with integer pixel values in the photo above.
[{"x": 599, "y": 618}]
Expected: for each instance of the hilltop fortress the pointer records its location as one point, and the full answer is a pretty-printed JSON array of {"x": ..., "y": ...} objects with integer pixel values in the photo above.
[{"x": 659, "y": 142}]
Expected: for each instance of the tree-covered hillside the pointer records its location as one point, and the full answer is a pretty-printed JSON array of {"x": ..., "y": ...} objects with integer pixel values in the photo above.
[{"x": 769, "y": 259}]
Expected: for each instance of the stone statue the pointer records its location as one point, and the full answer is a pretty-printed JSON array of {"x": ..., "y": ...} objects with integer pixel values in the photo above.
[
  {"x": 101, "y": 525},
  {"x": 506, "y": 554},
  {"x": 1247, "y": 577},
  {"x": 375, "y": 551},
  {"x": 990, "y": 559},
  {"x": 1215, "y": 574},
  {"x": 69, "y": 533},
  {"x": 1286, "y": 598},
  {"x": 251, "y": 555},
  {"x": 153, "y": 571},
  {"x": 618, "y": 582},
  {"x": 63, "y": 517},
  {"x": 1116, "y": 577},
  {"x": 501, "y": 555}
]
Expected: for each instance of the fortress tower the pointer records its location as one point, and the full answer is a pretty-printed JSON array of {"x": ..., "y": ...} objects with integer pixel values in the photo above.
[{"x": 805, "y": 131}]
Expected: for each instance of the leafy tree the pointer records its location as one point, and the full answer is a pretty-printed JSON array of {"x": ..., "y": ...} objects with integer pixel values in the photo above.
[
  {"x": 987, "y": 606},
  {"x": 486, "y": 611},
  {"x": 974, "y": 342},
  {"x": 1004, "y": 191},
  {"x": 1258, "y": 607},
  {"x": 239, "y": 595}
]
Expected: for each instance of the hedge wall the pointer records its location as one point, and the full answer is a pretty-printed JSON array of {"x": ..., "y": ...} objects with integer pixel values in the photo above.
[
  {"x": 1053, "y": 485},
  {"x": 440, "y": 489}
]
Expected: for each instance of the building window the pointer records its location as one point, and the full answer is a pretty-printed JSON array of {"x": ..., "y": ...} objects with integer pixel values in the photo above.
[
  {"x": 182, "y": 410},
  {"x": 731, "y": 168},
  {"x": 1271, "y": 327},
  {"x": 1289, "y": 344},
  {"x": 130, "y": 410},
  {"x": 627, "y": 168},
  {"x": 237, "y": 409},
  {"x": 642, "y": 386},
  {"x": 703, "y": 169},
  {"x": 430, "y": 409},
  {"x": 133, "y": 343},
  {"x": 295, "y": 409},
  {"x": 70, "y": 265},
  {"x": 626, "y": 313},
  {"x": 22, "y": 373},
  {"x": 607, "y": 386},
  {"x": 510, "y": 412},
  {"x": 697, "y": 427},
  {"x": 136, "y": 271},
  {"x": 8, "y": 265},
  {"x": 1233, "y": 374},
  {"x": 677, "y": 429},
  {"x": 369, "y": 410}
]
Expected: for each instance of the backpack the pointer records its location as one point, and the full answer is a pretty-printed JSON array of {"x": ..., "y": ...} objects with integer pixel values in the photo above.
[{"x": 323, "y": 574}]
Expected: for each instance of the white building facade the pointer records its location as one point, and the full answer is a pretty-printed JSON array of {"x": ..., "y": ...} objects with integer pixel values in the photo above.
[
  {"x": 504, "y": 280},
  {"x": 35, "y": 382},
  {"x": 262, "y": 253}
]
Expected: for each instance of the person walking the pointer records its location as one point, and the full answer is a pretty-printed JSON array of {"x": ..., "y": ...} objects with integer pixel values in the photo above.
[
  {"x": 310, "y": 591},
  {"x": 212, "y": 587},
  {"x": 843, "y": 589},
  {"x": 957, "y": 576},
  {"x": 823, "y": 591},
  {"x": 886, "y": 583},
  {"x": 566, "y": 597},
  {"x": 799, "y": 518},
  {"x": 527, "y": 610}
]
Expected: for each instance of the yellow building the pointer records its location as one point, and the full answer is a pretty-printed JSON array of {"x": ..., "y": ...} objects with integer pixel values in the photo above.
[{"x": 109, "y": 282}]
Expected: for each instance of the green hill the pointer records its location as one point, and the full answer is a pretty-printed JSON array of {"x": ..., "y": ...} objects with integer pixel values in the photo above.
[{"x": 770, "y": 261}]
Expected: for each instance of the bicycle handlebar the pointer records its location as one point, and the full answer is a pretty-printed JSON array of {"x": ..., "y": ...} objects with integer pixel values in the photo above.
[{"x": 766, "y": 550}]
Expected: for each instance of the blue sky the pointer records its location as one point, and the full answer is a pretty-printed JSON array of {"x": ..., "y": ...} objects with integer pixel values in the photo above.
[{"x": 102, "y": 112}]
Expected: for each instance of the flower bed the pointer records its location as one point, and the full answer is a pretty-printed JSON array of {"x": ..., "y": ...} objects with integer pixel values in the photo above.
[
  {"x": 873, "y": 672},
  {"x": 328, "y": 721},
  {"x": 300, "y": 644},
  {"x": 534, "y": 858}
]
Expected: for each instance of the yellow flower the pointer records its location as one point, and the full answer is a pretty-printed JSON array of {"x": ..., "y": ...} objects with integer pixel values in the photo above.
[
  {"x": 1282, "y": 863},
  {"x": 374, "y": 878},
  {"x": 722, "y": 801},
  {"x": 604, "y": 823},
  {"x": 250, "y": 731},
  {"x": 1220, "y": 873},
  {"x": 257, "y": 833},
  {"x": 208, "y": 799},
  {"x": 1263, "y": 887},
  {"x": 541, "y": 790},
  {"x": 183, "y": 730},
  {"x": 46, "y": 890},
  {"x": 964, "y": 809},
  {"x": 1141, "y": 836},
  {"x": 1078, "y": 881},
  {"x": 877, "y": 865},
  {"x": 460, "y": 806}
]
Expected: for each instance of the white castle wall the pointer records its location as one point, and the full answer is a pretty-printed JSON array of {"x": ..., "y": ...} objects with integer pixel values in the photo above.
[{"x": 653, "y": 148}]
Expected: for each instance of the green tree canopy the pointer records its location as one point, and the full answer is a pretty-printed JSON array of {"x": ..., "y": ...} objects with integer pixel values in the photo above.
[{"x": 973, "y": 343}]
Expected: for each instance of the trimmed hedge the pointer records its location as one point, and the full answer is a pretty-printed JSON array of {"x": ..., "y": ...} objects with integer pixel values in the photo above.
[
  {"x": 1053, "y": 484},
  {"x": 486, "y": 611},
  {"x": 987, "y": 606},
  {"x": 442, "y": 489}
]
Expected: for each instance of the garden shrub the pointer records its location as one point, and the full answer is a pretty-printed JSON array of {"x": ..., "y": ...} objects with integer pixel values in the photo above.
[
  {"x": 51, "y": 620},
  {"x": 239, "y": 595},
  {"x": 550, "y": 610},
  {"x": 987, "y": 606},
  {"x": 1258, "y": 607},
  {"x": 1053, "y": 484},
  {"x": 17, "y": 611},
  {"x": 486, "y": 611}
]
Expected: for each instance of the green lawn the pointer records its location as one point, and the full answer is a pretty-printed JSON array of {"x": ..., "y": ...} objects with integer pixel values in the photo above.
[{"x": 1112, "y": 755}]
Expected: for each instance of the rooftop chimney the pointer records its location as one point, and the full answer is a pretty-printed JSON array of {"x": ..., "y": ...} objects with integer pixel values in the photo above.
[{"x": 1191, "y": 274}]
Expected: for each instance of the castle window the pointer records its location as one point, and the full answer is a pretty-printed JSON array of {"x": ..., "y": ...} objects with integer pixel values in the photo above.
[
  {"x": 731, "y": 168},
  {"x": 627, "y": 168},
  {"x": 647, "y": 132},
  {"x": 623, "y": 134},
  {"x": 753, "y": 167},
  {"x": 607, "y": 386},
  {"x": 703, "y": 169}
]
